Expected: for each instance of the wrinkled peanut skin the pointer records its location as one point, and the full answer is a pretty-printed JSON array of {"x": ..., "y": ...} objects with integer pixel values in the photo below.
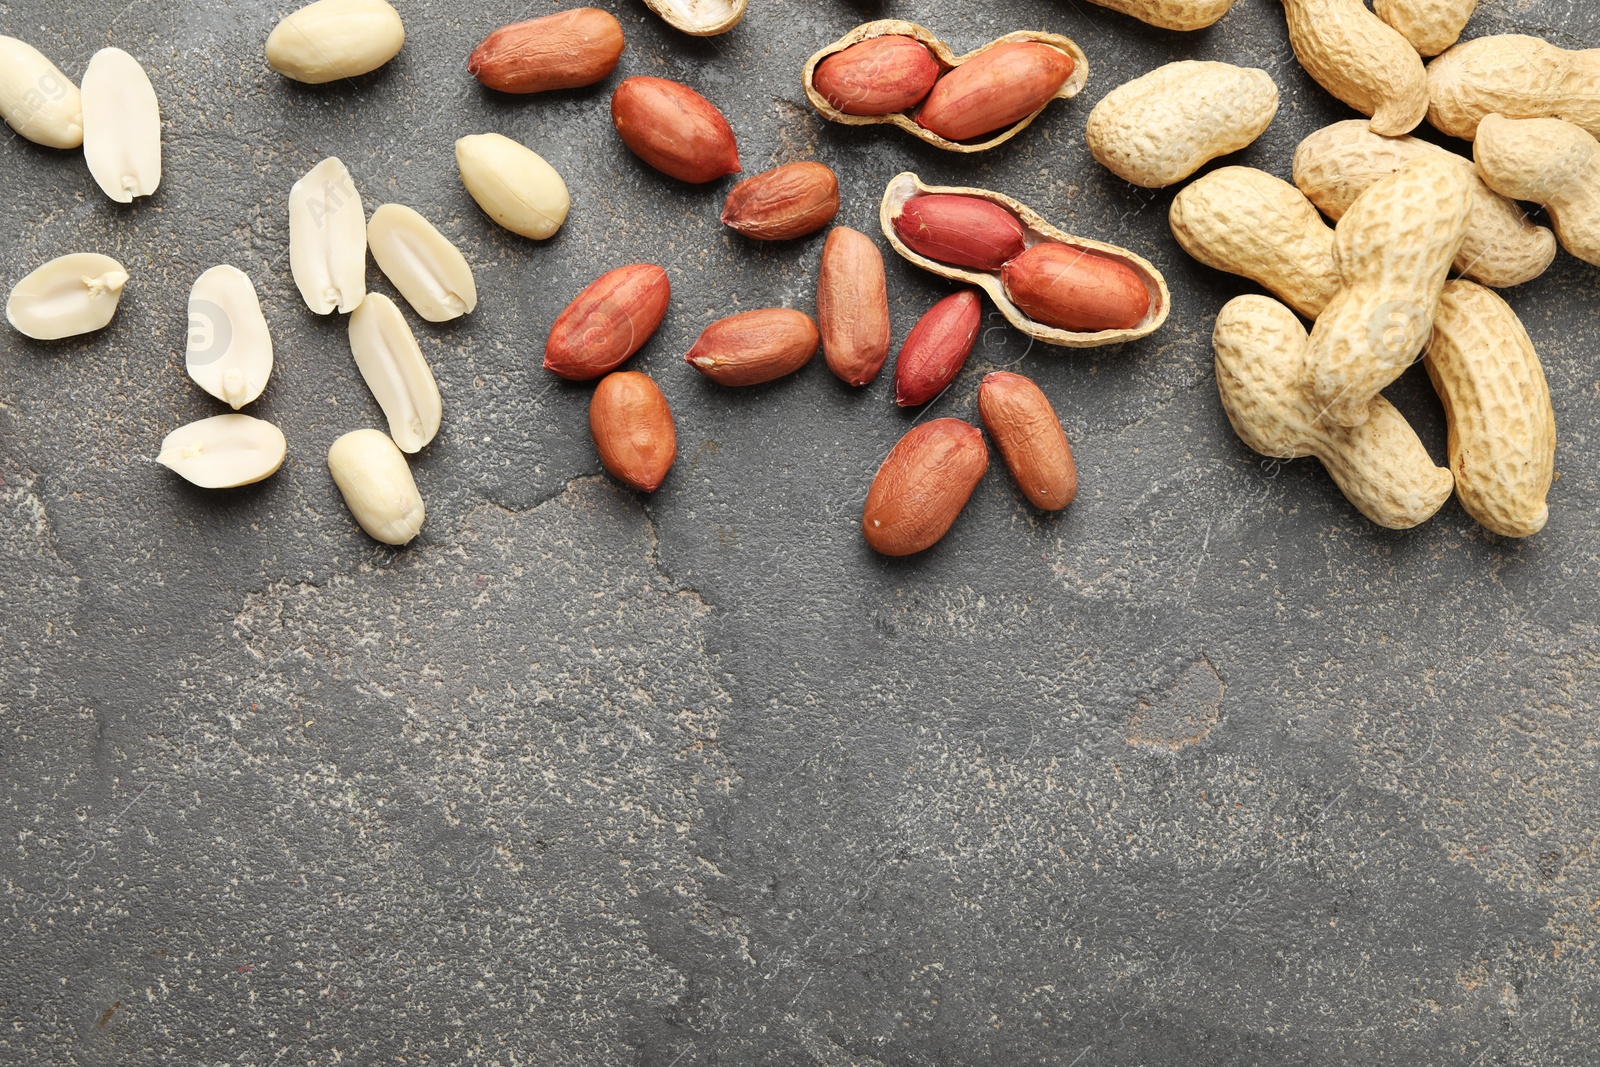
[
  {"x": 853, "y": 306},
  {"x": 633, "y": 431},
  {"x": 937, "y": 348},
  {"x": 755, "y": 347},
  {"x": 1024, "y": 426},
  {"x": 784, "y": 203},
  {"x": 674, "y": 129},
  {"x": 878, "y": 76},
  {"x": 608, "y": 322},
  {"x": 567, "y": 50},
  {"x": 1072, "y": 289},
  {"x": 922, "y": 487},
  {"x": 962, "y": 231},
  {"x": 999, "y": 87}
]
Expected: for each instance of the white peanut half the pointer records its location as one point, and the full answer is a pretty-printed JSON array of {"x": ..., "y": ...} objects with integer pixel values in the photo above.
[
  {"x": 1430, "y": 25},
  {"x": 36, "y": 99},
  {"x": 230, "y": 348},
  {"x": 1157, "y": 130},
  {"x": 1497, "y": 404},
  {"x": 377, "y": 486},
  {"x": 1171, "y": 14},
  {"x": 334, "y": 39},
  {"x": 390, "y": 361},
  {"x": 1360, "y": 59},
  {"x": 1263, "y": 378},
  {"x": 430, "y": 272},
  {"x": 1552, "y": 163},
  {"x": 121, "y": 126},
  {"x": 1247, "y": 222},
  {"x": 1338, "y": 163},
  {"x": 68, "y": 296},
  {"x": 224, "y": 452},
  {"x": 328, "y": 239},
  {"x": 1516, "y": 76},
  {"x": 513, "y": 185},
  {"x": 1394, "y": 248}
]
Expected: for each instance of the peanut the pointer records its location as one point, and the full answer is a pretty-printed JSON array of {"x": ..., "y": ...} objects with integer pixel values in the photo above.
[
  {"x": 1171, "y": 14},
  {"x": 632, "y": 429},
  {"x": 1381, "y": 466},
  {"x": 1550, "y": 162},
  {"x": 1502, "y": 428},
  {"x": 608, "y": 322},
  {"x": 878, "y": 76},
  {"x": 922, "y": 487},
  {"x": 853, "y": 306},
  {"x": 331, "y": 40},
  {"x": 1502, "y": 248},
  {"x": 996, "y": 89},
  {"x": 229, "y": 353},
  {"x": 1394, "y": 249},
  {"x": 121, "y": 126},
  {"x": 513, "y": 184},
  {"x": 1157, "y": 130},
  {"x": 1430, "y": 25},
  {"x": 224, "y": 451},
  {"x": 878, "y": 71},
  {"x": 937, "y": 348},
  {"x": 1516, "y": 76},
  {"x": 377, "y": 486},
  {"x": 36, "y": 99},
  {"x": 567, "y": 50},
  {"x": 1024, "y": 426},
  {"x": 1074, "y": 289},
  {"x": 782, "y": 204},
  {"x": 429, "y": 271},
  {"x": 674, "y": 129},
  {"x": 755, "y": 347},
  {"x": 392, "y": 365},
  {"x": 328, "y": 239},
  {"x": 68, "y": 296},
  {"x": 962, "y": 231},
  {"x": 1247, "y": 222},
  {"x": 1360, "y": 59},
  {"x": 700, "y": 18}
]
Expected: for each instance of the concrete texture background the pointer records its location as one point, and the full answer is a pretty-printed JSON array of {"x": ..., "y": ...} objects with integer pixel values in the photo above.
[{"x": 1207, "y": 770}]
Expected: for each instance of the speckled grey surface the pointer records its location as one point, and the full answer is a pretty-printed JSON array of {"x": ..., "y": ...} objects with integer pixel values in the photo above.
[{"x": 1207, "y": 771}]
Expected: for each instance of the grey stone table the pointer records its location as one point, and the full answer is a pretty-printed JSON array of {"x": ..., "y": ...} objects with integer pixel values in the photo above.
[{"x": 1206, "y": 771}]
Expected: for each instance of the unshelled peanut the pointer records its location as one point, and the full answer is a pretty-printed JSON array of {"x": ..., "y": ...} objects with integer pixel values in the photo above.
[
  {"x": 1552, "y": 163},
  {"x": 1513, "y": 75},
  {"x": 1360, "y": 59}
]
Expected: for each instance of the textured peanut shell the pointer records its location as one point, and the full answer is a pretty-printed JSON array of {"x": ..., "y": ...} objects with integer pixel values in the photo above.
[
  {"x": 1502, "y": 428},
  {"x": 904, "y": 187},
  {"x": 1247, "y": 222},
  {"x": 1262, "y": 377},
  {"x": 700, "y": 18},
  {"x": 1554, "y": 164},
  {"x": 1338, "y": 163},
  {"x": 1157, "y": 130},
  {"x": 1171, "y": 14},
  {"x": 1430, "y": 25},
  {"x": 1360, "y": 59},
  {"x": 1516, "y": 76},
  {"x": 947, "y": 60},
  {"x": 1394, "y": 249}
]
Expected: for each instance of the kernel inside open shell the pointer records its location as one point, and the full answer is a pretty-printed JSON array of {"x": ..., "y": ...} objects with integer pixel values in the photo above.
[
  {"x": 947, "y": 61},
  {"x": 904, "y": 188},
  {"x": 700, "y": 18}
]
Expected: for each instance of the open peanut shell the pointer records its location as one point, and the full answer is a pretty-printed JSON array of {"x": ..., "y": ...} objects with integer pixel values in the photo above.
[
  {"x": 700, "y": 18},
  {"x": 906, "y": 187},
  {"x": 947, "y": 61}
]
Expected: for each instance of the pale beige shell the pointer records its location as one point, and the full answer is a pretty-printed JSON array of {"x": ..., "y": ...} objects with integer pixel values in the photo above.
[
  {"x": 1360, "y": 59},
  {"x": 1250, "y": 223},
  {"x": 1497, "y": 405},
  {"x": 905, "y": 187},
  {"x": 1157, "y": 130},
  {"x": 1430, "y": 25},
  {"x": 1171, "y": 14},
  {"x": 1516, "y": 76},
  {"x": 1340, "y": 162},
  {"x": 1552, "y": 163},
  {"x": 948, "y": 61},
  {"x": 1394, "y": 249},
  {"x": 1381, "y": 466},
  {"x": 700, "y": 18}
]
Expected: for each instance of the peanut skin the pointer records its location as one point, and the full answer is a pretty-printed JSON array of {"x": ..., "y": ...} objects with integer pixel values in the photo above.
[
  {"x": 878, "y": 76},
  {"x": 1000, "y": 86},
  {"x": 1024, "y": 426},
  {"x": 1262, "y": 377},
  {"x": 1072, "y": 289},
  {"x": 608, "y": 322},
  {"x": 922, "y": 487},
  {"x": 853, "y": 306}
]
